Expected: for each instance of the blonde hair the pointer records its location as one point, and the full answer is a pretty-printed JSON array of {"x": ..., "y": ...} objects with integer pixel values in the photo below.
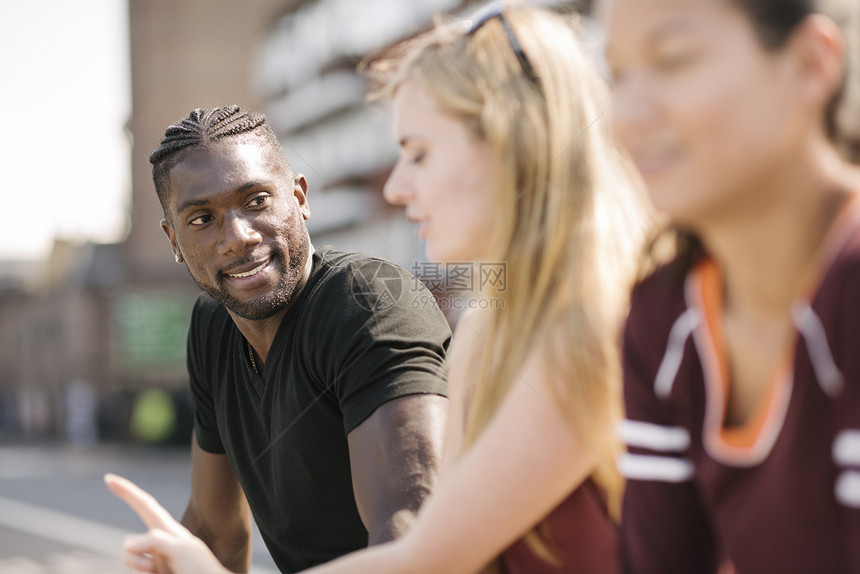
[{"x": 575, "y": 226}]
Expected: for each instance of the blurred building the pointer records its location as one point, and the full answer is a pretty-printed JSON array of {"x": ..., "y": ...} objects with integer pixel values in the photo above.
[{"x": 57, "y": 337}]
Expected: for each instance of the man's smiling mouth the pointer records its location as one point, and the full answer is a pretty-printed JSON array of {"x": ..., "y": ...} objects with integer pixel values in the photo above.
[{"x": 251, "y": 272}]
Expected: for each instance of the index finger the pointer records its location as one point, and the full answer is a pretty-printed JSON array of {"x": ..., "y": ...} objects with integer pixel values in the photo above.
[{"x": 144, "y": 505}]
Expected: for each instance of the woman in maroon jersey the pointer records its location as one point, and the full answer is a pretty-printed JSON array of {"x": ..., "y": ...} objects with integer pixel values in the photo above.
[
  {"x": 506, "y": 161},
  {"x": 742, "y": 355}
]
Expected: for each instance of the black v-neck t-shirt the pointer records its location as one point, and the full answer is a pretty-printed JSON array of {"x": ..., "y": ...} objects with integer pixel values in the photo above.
[{"x": 361, "y": 332}]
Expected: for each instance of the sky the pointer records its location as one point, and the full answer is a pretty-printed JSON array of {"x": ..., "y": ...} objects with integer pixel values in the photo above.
[{"x": 65, "y": 100}]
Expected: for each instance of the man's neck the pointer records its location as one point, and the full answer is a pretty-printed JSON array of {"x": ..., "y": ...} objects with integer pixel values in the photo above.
[{"x": 260, "y": 334}]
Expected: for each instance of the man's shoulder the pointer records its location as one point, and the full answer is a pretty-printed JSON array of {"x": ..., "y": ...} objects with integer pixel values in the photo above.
[
  {"x": 363, "y": 281},
  {"x": 355, "y": 266},
  {"x": 354, "y": 290}
]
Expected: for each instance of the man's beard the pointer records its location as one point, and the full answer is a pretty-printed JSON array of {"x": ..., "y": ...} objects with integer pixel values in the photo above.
[{"x": 271, "y": 303}]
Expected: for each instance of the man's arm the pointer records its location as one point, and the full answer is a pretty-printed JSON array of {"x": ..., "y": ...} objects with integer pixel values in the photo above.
[
  {"x": 395, "y": 456},
  {"x": 217, "y": 510}
]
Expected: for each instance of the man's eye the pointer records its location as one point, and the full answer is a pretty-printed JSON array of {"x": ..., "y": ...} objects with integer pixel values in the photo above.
[
  {"x": 258, "y": 201},
  {"x": 200, "y": 220}
]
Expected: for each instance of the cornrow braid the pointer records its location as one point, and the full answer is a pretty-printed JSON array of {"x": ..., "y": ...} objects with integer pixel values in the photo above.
[{"x": 202, "y": 128}]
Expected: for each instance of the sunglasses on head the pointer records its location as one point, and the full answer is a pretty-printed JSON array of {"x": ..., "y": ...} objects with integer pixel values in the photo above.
[{"x": 496, "y": 10}]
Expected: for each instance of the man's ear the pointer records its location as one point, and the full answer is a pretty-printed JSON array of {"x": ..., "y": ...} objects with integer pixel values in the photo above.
[
  {"x": 171, "y": 236},
  {"x": 300, "y": 192}
]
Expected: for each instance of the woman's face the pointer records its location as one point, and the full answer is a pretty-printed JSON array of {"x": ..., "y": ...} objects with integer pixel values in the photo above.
[
  {"x": 708, "y": 115},
  {"x": 446, "y": 177}
]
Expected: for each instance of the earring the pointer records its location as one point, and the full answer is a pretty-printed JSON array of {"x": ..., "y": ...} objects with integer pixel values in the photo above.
[{"x": 178, "y": 258}]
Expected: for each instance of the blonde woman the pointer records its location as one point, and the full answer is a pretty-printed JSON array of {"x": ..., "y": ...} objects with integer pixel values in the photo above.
[{"x": 505, "y": 159}]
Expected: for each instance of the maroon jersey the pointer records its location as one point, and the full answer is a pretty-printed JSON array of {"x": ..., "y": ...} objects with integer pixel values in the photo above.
[
  {"x": 579, "y": 535},
  {"x": 780, "y": 493}
]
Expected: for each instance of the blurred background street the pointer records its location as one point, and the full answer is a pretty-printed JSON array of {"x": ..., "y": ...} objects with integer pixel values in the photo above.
[{"x": 56, "y": 516}]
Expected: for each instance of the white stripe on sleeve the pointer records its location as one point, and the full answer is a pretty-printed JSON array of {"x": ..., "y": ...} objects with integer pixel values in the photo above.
[
  {"x": 848, "y": 488},
  {"x": 654, "y": 437},
  {"x": 658, "y": 468},
  {"x": 846, "y": 448}
]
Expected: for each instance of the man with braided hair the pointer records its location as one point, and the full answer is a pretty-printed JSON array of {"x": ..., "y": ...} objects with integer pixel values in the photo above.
[{"x": 318, "y": 382}]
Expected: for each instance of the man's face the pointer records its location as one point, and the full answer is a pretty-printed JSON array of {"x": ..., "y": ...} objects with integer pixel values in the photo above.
[{"x": 236, "y": 217}]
